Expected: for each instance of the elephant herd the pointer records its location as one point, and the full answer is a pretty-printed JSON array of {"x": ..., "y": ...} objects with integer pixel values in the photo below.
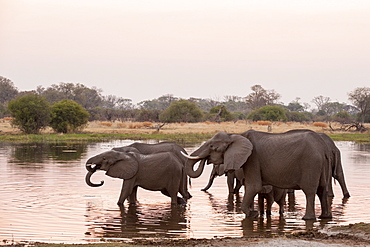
[{"x": 266, "y": 164}]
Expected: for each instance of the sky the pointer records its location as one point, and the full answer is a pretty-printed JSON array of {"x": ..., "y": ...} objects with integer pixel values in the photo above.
[{"x": 143, "y": 49}]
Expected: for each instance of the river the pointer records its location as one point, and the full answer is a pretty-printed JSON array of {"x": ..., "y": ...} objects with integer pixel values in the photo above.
[{"x": 43, "y": 197}]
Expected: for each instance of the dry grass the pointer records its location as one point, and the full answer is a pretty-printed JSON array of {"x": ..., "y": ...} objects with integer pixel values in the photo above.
[
  {"x": 202, "y": 128},
  {"x": 185, "y": 128}
]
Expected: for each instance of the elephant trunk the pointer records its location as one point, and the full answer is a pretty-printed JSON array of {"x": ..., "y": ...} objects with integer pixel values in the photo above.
[
  {"x": 91, "y": 170},
  {"x": 189, "y": 168}
]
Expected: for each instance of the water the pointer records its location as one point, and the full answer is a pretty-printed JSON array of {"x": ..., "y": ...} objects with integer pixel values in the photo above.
[{"x": 43, "y": 197}]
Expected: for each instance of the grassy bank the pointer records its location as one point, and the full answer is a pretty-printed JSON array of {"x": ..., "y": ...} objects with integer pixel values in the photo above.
[
  {"x": 182, "y": 133},
  {"x": 178, "y": 138},
  {"x": 101, "y": 137}
]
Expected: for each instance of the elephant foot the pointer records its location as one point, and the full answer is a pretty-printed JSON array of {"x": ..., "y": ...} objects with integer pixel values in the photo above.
[
  {"x": 252, "y": 214},
  {"x": 329, "y": 216},
  {"x": 181, "y": 201},
  {"x": 346, "y": 195},
  {"x": 308, "y": 217}
]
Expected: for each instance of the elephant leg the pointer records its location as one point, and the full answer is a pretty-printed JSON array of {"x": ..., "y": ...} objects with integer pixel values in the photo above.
[
  {"x": 325, "y": 208},
  {"x": 237, "y": 186},
  {"x": 342, "y": 183},
  {"x": 330, "y": 188},
  {"x": 261, "y": 203},
  {"x": 247, "y": 203},
  {"x": 310, "y": 204},
  {"x": 126, "y": 191},
  {"x": 281, "y": 201},
  {"x": 133, "y": 197},
  {"x": 174, "y": 198},
  {"x": 230, "y": 181},
  {"x": 184, "y": 187},
  {"x": 269, "y": 202}
]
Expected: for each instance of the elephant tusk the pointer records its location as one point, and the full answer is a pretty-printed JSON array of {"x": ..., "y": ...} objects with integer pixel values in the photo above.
[
  {"x": 89, "y": 164},
  {"x": 190, "y": 157}
]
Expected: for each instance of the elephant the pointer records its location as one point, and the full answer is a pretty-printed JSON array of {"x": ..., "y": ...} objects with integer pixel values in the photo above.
[
  {"x": 144, "y": 148},
  {"x": 336, "y": 168},
  {"x": 335, "y": 165},
  {"x": 271, "y": 194},
  {"x": 268, "y": 192},
  {"x": 236, "y": 177},
  {"x": 156, "y": 172},
  {"x": 290, "y": 160}
]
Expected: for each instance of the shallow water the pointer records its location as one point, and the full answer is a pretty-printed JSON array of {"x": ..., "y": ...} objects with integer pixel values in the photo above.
[{"x": 44, "y": 198}]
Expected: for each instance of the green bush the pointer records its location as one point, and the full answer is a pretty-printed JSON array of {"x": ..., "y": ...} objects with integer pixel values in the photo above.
[
  {"x": 67, "y": 116},
  {"x": 295, "y": 116},
  {"x": 181, "y": 111},
  {"x": 268, "y": 113},
  {"x": 219, "y": 113},
  {"x": 31, "y": 113}
]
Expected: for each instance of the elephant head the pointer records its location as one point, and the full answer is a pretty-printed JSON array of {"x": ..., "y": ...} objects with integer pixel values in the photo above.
[
  {"x": 231, "y": 150},
  {"x": 116, "y": 164}
]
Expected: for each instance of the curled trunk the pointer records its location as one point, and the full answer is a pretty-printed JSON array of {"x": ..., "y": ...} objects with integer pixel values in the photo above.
[
  {"x": 88, "y": 177},
  {"x": 189, "y": 168}
]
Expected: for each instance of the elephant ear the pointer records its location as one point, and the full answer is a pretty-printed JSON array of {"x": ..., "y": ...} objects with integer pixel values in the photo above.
[
  {"x": 237, "y": 153},
  {"x": 124, "y": 168}
]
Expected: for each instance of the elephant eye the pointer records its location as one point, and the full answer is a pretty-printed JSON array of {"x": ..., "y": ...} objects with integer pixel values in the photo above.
[{"x": 104, "y": 158}]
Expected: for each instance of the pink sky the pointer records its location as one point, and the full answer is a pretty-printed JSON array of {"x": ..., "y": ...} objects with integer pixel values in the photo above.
[{"x": 208, "y": 49}]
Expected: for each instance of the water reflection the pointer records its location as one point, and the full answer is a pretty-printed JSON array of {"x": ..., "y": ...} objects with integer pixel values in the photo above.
[
  {"x": 22, "y": 153},
  {"x": 146, "y": 221},
  {"x": 44, "y": 198}
]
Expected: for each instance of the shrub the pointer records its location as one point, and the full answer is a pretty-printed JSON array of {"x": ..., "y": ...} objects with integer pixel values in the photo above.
[
  {"x": 31, "y": 113},
  {"x": 268, "y": 113},
  {"x": 320, "y": 124},
  {"x": 68, "y": 116},
  {"x": 181, "y": 111},
  {"x": 298, "y": 116},
  {"x": 108, "y": 124},
  {"x": 220, "y": 113},
  {"x": 264, "y": 122}
]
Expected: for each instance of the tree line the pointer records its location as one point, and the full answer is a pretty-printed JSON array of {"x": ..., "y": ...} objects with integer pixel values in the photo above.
[{"x": 260, "y": 104}]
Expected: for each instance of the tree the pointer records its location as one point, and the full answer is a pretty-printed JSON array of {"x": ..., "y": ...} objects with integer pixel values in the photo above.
[
  {"x": 161, "y": 103},
  {"x": 112, "y": 101},
  {"x": 320, "y": 101},
  {"x": 7, "y": 90},
  {"x": 31, "y": 113},
  {"x": 220, "y": 113},
  {"x": 295, "y": 106},
  {"x": 68, "y": 116},
  {"x": 261, "y": 97},
  {"x": 268, "y": 113},
  {"x": 360, "y": 98},
  {"x": 181, "y": 111},
  {"x": 89, "y": 98}
]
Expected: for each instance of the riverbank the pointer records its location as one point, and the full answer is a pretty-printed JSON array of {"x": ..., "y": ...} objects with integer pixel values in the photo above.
[
  {"x": 182, "y": 133},
  {"x": 351, "y": 235}
]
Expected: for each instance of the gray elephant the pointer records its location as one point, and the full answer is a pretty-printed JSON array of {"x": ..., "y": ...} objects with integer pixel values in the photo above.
[
  {"x": 291, "y": 160},
  {"x": 336, "y": 168},
  {"x": 271, "y": 194},
  {"x": 335, "y": 165},
  {"x": 233, "y": 177},
  {"x": 144, "y": 148},
  {"x": 268, "y": 192},
  {"x": 157, "y": 172}
]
